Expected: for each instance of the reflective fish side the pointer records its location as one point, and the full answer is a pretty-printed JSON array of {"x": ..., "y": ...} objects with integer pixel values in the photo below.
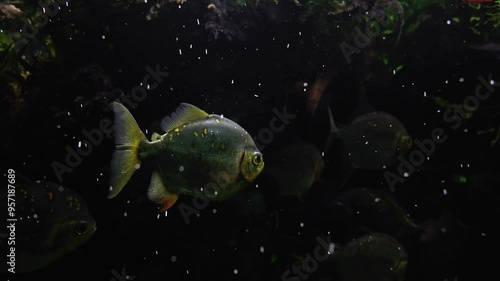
[
  {"x": 199, "y": 153},
  {"x": 374, "y": 141},
  {"x": 52, "y": 220},
  {"x": 295, "y": 168}
]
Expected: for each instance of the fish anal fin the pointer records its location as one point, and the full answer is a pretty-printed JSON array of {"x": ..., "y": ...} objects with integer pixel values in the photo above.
[
  {"x": 159, "y": 194},
  {"x": 184, "y": 113},
  {"x": 167, "y": 202}
]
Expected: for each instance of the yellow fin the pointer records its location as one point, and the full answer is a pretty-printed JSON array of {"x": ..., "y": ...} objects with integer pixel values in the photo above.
[
  {"x": 159, "y": 194},
  {"x": 125, "y": 159},
  {"x": 184, "y": 113}
]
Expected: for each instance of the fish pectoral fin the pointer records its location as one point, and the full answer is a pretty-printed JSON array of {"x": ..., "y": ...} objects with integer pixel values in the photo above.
[
  {"x": 184, "y": 113},
  {"x": 159, "y": 194}
]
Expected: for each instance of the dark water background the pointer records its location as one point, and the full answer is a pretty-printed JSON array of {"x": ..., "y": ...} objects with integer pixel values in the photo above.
[{"x": 103, "y": 50}]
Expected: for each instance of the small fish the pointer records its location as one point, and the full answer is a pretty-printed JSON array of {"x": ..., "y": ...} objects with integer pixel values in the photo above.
[
  {"x": 52, "y": 220},
  {"x": 295, "y": 168},
  {"x": 373, "y": 141},
  {"x": 198, "y": 154},
  {"x": 372, "y": 257}
]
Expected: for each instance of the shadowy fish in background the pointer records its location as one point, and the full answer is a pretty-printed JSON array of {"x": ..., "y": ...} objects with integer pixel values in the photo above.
[
  {"x": 378, "y": 211},
  {"x": 295, "y": 168},
  {"x": 373, "y": 141},
  {"x": 52, "y": 220},
  {"x": 199, "y": 154},
  {"x": 372, "y": 257},
  {"x": 443, "y": 238}
]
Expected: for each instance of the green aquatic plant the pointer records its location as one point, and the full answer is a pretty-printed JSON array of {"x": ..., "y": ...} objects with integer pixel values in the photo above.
[
  {"x": 494, "y": 17},
  {"x": 484, "y": 19},
  {"x": 12, "y": 72},
  {"x": 21, "y": 55},
  {"x": 492, "y": 129},
  {"x": 495, "y": 140},
  {"x": 417, "y": 12}
]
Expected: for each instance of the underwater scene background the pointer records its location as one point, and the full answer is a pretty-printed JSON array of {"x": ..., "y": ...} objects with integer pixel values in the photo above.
[{"x": 378, "y": 122}]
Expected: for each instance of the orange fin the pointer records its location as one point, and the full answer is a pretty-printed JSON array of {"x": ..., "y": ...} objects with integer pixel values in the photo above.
[
  {"x": 159, "y": 194},
  {"x": 167, "y": 202}
]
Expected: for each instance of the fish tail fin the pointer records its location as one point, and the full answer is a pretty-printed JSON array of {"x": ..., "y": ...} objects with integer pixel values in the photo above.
[{"x": 125, "y": 159}]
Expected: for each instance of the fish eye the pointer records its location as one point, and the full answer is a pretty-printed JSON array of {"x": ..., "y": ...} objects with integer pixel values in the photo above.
[
  {"x": 81, "y": 227},
  {"x": 257, "y": 159}
]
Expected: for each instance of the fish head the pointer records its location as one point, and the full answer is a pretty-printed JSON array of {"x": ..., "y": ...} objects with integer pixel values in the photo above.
[
  {"x": 76, "y": 230},
  {"x": 405, "y": 145},
  {"x": 72, "y": 222},
  {"x": 252, "y": 164}
]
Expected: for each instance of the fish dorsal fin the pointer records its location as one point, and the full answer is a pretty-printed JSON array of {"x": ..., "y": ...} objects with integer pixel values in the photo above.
[
  {"x": 159, "y": 194},
  {"x": 184, "y": 113}
]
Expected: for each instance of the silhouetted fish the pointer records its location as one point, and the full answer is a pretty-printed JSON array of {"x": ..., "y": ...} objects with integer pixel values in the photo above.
[
  {"x": 52, "y": 220},
  {"x": 374, "y": 140}
]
